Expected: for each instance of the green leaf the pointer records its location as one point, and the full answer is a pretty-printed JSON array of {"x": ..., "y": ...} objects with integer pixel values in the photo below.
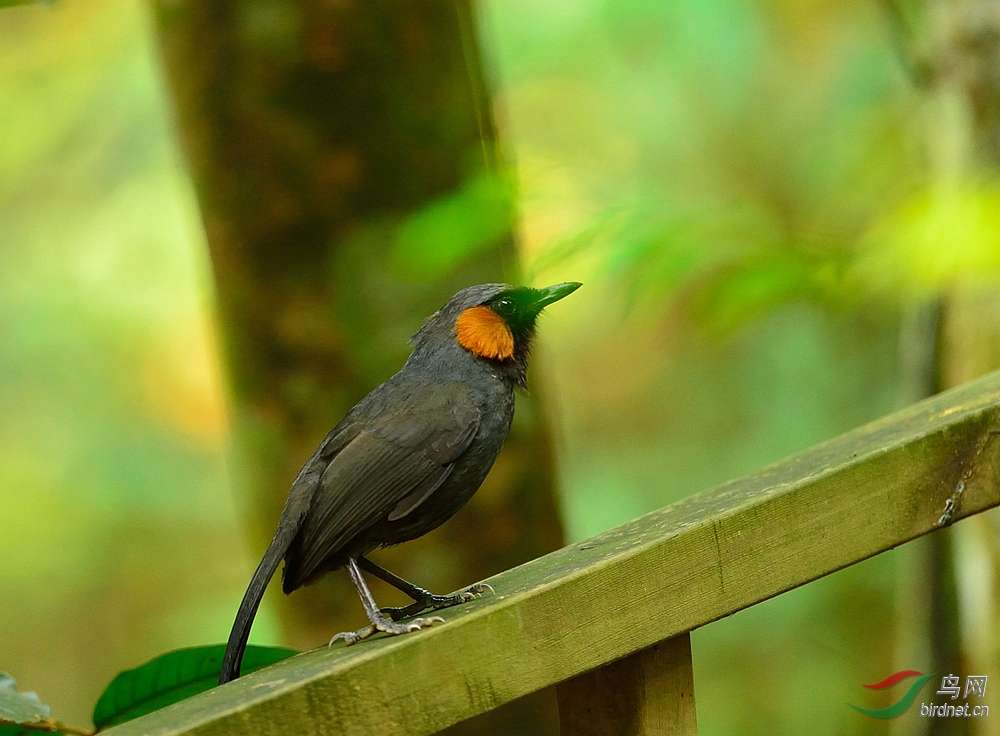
[
  {"x": 20, "y": 707},
  {"x": 172, "y": 677}
]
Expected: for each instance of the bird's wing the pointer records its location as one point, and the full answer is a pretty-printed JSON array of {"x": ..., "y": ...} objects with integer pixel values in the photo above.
[{"x": 388, "y": 469}]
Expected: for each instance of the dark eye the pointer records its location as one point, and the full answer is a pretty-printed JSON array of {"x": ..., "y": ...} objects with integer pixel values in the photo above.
[{"x": 506, "y": 305}]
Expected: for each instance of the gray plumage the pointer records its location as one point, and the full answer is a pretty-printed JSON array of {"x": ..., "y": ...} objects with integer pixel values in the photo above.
[{"x": 403, "y": 461}]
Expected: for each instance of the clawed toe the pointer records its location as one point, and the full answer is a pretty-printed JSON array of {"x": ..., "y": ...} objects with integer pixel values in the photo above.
[
  {"x": 393, "y": 628},
  {"x": 437, "y": 602},
  {"x": 386, "y": 626},
  {"x": 479, "y": 589},
  {"x": 353, "y": 637},
  {"x": 422, "y": 623},
  {"x": 473, "y": 592}
]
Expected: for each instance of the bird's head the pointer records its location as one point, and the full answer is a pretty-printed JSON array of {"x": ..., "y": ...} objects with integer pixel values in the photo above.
[
  {"x": 501, "y": 326},
  {"x": 496, "y": 322}
]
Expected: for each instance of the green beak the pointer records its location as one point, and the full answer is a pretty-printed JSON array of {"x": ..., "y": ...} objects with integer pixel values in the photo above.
[{"x": 544, "y": 297}]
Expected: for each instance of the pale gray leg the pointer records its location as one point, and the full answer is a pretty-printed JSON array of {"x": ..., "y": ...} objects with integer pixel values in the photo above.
[{"x": 378, "y": 621}]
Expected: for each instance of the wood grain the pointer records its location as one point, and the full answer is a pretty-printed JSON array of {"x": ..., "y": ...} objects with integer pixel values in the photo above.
[
  {"x": 649, "y": 693},
  {"x": 624, "y": 591}
]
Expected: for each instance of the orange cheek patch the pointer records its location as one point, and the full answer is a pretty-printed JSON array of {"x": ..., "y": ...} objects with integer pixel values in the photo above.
[{"x": 483, "y": 333}]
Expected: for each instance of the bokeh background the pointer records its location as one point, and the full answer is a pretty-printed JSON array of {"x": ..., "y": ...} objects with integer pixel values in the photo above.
[{"x": 219, "y": 225}]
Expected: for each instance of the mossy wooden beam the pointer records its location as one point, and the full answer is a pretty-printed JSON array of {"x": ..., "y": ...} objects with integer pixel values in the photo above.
[
  {"x": 621, "y": 592},
  {"x": 649, "y": 693}
]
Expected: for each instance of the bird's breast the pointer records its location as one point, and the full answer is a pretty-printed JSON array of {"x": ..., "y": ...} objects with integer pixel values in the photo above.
[{"x": 496, "y": 407}]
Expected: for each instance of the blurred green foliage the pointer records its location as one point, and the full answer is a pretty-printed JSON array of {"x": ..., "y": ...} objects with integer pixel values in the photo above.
[
  {"x": 113, "y": 495},
  {"x": 739, "y": 183},
  {"x": 742, "y": 184},
  {"x": 933, "y": 240},
  {"x": 454, "y": 228}
]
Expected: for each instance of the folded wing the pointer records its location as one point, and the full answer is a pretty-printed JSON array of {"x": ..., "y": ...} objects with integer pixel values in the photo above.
[{"x": 390, "y": 467}]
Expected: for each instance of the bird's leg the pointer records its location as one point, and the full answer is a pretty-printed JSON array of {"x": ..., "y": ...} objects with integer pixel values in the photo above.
[
  {"x": 424, "y": 599},
  {"x": 378, "y": 621}
]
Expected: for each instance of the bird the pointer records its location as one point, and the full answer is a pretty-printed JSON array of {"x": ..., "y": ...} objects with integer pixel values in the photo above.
[{"x": 405, "y": 459}]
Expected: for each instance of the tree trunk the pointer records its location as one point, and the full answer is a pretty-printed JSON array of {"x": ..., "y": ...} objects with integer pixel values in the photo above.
[{"x": 344, "y": 157}]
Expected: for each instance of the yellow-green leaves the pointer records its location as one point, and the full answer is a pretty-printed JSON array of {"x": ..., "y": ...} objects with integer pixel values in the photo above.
[{"x": 934, "y": 240}]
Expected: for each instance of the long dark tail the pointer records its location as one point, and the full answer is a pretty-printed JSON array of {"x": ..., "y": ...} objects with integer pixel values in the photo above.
[{"x": 251, "y": 601}]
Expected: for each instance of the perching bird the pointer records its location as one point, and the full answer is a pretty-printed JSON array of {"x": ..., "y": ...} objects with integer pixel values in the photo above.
[{"x": 405, "y": 458}]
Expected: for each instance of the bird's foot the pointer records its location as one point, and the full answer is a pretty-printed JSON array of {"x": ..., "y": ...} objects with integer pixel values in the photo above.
[
  {"x": 353, "y": 637},
  {"x": 385, "y": 625},
  {"x": 436, "y": 602}
]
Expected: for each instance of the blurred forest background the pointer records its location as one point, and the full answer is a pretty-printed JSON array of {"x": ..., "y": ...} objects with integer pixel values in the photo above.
[{"x": 218, "y": 226}]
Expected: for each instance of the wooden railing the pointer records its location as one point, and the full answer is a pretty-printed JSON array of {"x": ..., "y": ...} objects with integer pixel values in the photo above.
[{"x": 607, "y": 620}]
